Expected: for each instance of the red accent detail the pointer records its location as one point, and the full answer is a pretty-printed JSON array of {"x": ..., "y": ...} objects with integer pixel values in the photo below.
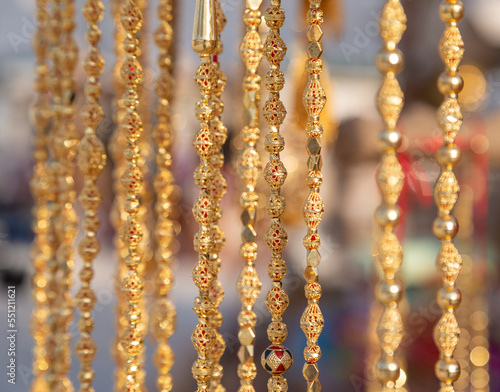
[
  {"x": 279, "y": 353},
  {"x": 280, "y": 369}
]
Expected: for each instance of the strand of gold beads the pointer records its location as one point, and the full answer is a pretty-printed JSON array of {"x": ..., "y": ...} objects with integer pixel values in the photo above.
[
  {"x": 204, "y": 42},
  {"x": 91, "y": 161},
  {"x": 131, "y": 125},
  {"x": 163, "y": 313},
  {"x": 218, "y": 190},
  {"x": 445, "y": 227},
  {"x": 117, "y": 144},
  {"x": 249, "y": 169},
  {"x": 314, "y": 100},
  {"x": 390, "y": 178},
  {"x": 276, "y": 359},
  {"x": 64, "y": 145},
  {"x": 40, "y": 250}
]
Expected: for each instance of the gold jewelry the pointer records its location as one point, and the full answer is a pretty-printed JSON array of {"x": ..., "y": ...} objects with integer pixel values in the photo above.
[
  {"x": 64, "y": 138},
  {"x": 314, "y": 100},
  {"x": 390, "y": 178},
  {"x": 163, "y": 314},
  {"x": 276, "y": 359},
  {"x": 91, "y": 161},
  {"x": 117, "y": 146},
  {"x": 41, "y": 250},
  {"x": 445, "y": 227},
  {"x": 204, "y": 43},
  {"x": 131, "y": 126},
  {"x": 249, "y": 170},
  {"x": 218, "y": 190}
]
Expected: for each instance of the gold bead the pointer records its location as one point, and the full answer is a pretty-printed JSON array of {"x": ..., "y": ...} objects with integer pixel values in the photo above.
[
  {"x": 389, "y": 139},
  {"x": 451, "y": 11},
  {"x": 449, "y": 298},
  {"x": 448, "y": 155},
  {"x": 389, "y": 293},
  {"x": 449, "y": 84},
  {"x": 386, "y": 371},
  {"x": 386, "y": 216},
  {"x": 390, "y": 60},
  {"x": 447, "y": 370},
  {"x": 445, "y": 228}
]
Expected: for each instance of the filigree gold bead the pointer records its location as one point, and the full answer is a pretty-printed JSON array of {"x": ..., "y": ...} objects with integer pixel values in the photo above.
[
  {"x": 93, "y": 35},
  {"x": 130, "y": 44},
  {"x": 387, "y": 215},
  {"x": 390, "y": 60},
  {"x": 85, "y": 349},
  {"x": 274, "y": 80},
  {"x": 202, "y": 370},
  {"x": 274, "y": 143},
  {"x": 450, "y": 84},
  {"x": 276, "y": 237},
  {"x": 314, "y": 16},
  {"x": 247, "y": 371},
  {"x": 313, "y": 291},
  {"x": 131, "y": 19},
  {"x": 445, "y": 228},
  {"x": 276, "y": 300},
  {"x": 274, "y": 49},
  {"x": 449, "y": 298},
  {"x": 451, "y": 11},
  {"x": 275, "y": 174},
  {"x": 389, "y": 292},
  {"x": 275, "y": 17},
  {"x": 131, "y": 72},
  {"x": 93, "y": 11},
  {"x": 163, "y": 36},
  {"x": 276, "y": 268},
  {"x": 386, "y": 371},
  {"x": 203, "y": 307},
  {"x": 312, "y": 353},
  {"x": 448, "y": 155},
  {"x": 447, "y": 370}
]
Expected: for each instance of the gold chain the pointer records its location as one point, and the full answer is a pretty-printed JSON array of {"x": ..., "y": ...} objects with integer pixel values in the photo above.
[
  {"x": 40, "y": 252},
  {"x": 64, "y": 138},
  {"x": 204, "y": 43},
  {"x": 314, "y": 100},
  {"x": 390, "y": 178},
  {"x": 117, "y": 146},
  {"x": 91, "y": 161},
  {"x": 131, "y": 126},
  {"x": 445, "y": 227},
  {"x": 163, "y": 314},
  {"x": 218, "y": 191},
  {"x": 276, "y": 359},
  {"x": 249, "y": 168}
]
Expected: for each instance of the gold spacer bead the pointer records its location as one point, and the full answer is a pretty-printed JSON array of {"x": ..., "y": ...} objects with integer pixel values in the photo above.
[
  {"x": 449, "y": 298},
  {"x": 445, "y": 228},
  {"x": 451, "y": 12},
  {"x": 447, "y": 370},
  {"x": 390, "y": 60},
  {"x": 449, "y": 84}
]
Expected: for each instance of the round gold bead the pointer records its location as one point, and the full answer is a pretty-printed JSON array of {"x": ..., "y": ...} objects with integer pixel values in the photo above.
[
  {"x": 445, "y": 228},
  {"x": 386, "y": 371},
  {"x": 447, "y": 370},
  {"x": 312, "y": 353},
  {"x": 387, "y": 215},
  {"x": 390, "y": 60},
  {"x": 451, "y": 12},
  {"x": 448, "y": 155},
  {"x": 450, "y": 84},
  {"x": 389, "y": 292},
  {"x": 449, "y": 298},
  {"x": 389, "y": 139}
]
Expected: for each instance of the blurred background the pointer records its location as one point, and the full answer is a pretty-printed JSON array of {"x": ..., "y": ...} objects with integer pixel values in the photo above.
[{"x": 349, "y": 191}]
